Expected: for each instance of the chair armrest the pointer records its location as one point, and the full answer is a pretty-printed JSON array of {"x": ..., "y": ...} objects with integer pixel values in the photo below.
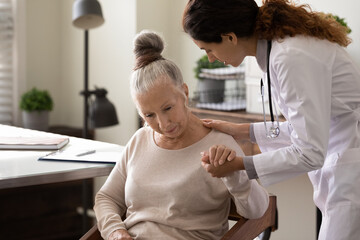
[
  {"x": 248, "y": 229},
  {"x": 92, "y": 234}
]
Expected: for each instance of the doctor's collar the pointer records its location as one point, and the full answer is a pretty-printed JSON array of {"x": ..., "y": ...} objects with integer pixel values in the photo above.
[{"x": 261, "y": 54}]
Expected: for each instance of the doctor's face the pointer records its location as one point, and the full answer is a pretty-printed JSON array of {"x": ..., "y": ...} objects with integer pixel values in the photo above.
[
  {"x": 231, "y": 50},
  {"x": 163, "y": 107}
]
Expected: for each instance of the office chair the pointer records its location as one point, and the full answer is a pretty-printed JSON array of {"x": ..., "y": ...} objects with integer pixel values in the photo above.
[{"x": 244, "y": 229}]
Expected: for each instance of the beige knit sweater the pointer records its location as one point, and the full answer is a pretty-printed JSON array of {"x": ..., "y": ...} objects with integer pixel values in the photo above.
[{"x": 166, "y": 194}]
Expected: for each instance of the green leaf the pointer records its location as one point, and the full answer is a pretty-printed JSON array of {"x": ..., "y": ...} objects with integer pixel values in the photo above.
[
  {"x": 36, "y": 100},
  {"x": 203, "y": 62}
]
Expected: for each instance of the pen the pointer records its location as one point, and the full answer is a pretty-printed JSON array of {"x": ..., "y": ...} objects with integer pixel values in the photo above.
[{"x": 86, "y": 153}]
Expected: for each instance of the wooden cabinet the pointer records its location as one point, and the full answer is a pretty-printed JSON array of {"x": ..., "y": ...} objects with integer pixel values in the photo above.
[
  {"x": 42, "y": 212},
  {"x": 234, "y": 116}
]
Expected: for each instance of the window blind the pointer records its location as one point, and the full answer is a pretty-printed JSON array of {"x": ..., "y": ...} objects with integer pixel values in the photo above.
[{"x": 6, "y": 62}]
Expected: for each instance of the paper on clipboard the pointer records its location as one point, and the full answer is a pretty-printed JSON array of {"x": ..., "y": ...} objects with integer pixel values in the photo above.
[{"x": 109, "y": 157}]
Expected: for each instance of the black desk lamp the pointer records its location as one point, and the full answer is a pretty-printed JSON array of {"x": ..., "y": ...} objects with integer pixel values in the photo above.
[{"x": 87, "y": 14}]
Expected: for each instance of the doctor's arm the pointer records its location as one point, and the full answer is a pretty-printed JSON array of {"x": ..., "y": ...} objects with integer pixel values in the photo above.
[
  {"x": 239, "y": 131},
  {"x": 220, "y": 154}
]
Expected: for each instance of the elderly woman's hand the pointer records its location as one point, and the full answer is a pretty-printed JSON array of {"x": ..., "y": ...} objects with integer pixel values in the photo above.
[
  {"x": 225, "y": 169},
  {"x": 218, "y": 155},
  {"x": 220, "y": 161},
  {"x": 120, "y": 234}
]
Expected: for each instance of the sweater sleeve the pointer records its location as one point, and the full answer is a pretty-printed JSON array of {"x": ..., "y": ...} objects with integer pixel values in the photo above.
[
  {"x": 110, "y": 200},
  {"x": 250, "y": 198}
]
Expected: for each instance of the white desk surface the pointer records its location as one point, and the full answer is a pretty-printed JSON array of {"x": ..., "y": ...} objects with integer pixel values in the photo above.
[{"x": 22, "y": 168}]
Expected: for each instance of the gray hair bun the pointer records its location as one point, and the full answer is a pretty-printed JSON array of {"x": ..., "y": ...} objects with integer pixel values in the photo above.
[{"x": 148, "y": 47}]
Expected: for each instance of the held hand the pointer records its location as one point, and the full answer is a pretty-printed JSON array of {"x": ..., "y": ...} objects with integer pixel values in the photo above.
[
  {"x": 239, "y": 131},
  {"x": 120, "y": 234},
  {"x": 225, "y": 169},
  {"x": 218, "y": 155}
]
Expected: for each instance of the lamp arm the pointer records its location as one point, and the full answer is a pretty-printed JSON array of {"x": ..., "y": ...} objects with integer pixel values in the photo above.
[{"x": 98, "y": 92}]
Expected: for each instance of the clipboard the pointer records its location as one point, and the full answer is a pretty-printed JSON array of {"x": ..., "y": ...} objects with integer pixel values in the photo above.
[{"x": 105, "y": 157}]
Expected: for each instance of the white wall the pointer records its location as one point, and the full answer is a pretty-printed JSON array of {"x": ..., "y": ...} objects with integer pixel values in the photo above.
[
  {"x": 43, "y": 49},
  {"x": 55, "y": 52},
  {"x": 55, "y": 62},
  {"x": 345, "y": 9},
  {"x": 167, "y": 21},
  {"x": 55, "y": 55}
]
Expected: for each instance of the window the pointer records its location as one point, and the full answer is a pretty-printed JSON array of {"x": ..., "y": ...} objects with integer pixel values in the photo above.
[{"x": 6, "y": 62}]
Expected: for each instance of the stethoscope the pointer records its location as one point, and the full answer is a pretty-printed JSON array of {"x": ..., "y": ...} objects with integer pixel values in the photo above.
[{"x": 274, "y": 129}]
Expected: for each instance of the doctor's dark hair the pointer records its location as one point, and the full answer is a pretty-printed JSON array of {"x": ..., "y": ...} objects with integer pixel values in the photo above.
[
  {"x": 206, "y": 20},
  {"x": 150, "y": 66}
]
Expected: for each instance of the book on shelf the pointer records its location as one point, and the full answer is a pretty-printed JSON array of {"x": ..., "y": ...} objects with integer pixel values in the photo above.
[{"x": 33, "y": 142}]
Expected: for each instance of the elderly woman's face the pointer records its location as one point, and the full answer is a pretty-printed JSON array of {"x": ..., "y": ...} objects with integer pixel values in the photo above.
[{"x": 163, "y": 108}]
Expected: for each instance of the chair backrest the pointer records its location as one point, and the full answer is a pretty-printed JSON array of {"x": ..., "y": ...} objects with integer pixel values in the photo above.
[{"x": 244, "y": 229}]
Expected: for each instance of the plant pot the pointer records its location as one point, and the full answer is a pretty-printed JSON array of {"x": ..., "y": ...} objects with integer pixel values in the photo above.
[
  {"x": 211, "y": 90},
  {"x": 37, "y": 120}
]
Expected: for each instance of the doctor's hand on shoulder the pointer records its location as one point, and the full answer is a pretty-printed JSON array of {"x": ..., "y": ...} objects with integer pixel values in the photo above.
[
  {"x": 120, "y": 234},
  {"x": 239, "y": 131},
  {"x": 221, "y": 161}
]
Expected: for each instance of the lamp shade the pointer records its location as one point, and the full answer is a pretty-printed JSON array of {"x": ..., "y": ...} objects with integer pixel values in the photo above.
[
  {"x": 102, "y": 111},
  {"x": 87, "y": 14}
]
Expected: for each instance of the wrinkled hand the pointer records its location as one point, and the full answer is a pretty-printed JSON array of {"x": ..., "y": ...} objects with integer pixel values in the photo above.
[
  {"x": 220, "y": 161},
  {"x": 219, "y": 154},
  {"x": 239, "y": 131},
  {"x": 120, "y": 234}
]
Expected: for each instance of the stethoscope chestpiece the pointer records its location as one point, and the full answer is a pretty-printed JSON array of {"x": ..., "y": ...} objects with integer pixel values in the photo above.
[{"x": 273, "y": 132}]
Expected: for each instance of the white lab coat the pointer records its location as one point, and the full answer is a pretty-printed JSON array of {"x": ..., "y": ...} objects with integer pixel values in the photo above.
[{"x": 317, "y": 88}]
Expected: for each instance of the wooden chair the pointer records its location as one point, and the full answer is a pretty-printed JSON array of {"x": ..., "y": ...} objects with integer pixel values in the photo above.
[{"x": 244, "y": 229}]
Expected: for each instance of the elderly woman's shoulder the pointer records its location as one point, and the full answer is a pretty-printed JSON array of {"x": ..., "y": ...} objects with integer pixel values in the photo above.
[
  {"x": 141, "y": 134},
  {"x": 143, "y": 131},
  {"x": 227, "y": 140},
  {"x": 221, "y": 136}
]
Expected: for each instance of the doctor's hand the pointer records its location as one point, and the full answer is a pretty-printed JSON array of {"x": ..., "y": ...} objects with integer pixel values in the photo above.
[
  {"x": 120, "y": 234},
  {"x": 239, "y": 131}
]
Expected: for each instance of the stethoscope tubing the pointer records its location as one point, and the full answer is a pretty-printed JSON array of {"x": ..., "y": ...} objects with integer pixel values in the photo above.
[
  {"x": 268, "y": 78},
  {"x": 274, "y": 131}
]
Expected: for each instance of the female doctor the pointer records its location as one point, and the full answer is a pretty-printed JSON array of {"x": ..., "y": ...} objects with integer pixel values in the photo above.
[{"x": 316, "y": 86}]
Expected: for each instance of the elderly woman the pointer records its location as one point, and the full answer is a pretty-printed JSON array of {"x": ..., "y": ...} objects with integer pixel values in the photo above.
[{"x": 159, "y": 182}]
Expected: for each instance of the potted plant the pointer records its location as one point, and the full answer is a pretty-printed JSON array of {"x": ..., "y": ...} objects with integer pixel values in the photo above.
[
  {"x": 210, "y": 90},
  {"x": 36, "y": 105},
  {"x": 338, "y": 19},
  {"x": 341, "y": 21}
]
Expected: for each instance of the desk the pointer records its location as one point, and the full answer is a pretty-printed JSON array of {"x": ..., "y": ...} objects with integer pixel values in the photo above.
[{"x": 20, "y": 170}]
